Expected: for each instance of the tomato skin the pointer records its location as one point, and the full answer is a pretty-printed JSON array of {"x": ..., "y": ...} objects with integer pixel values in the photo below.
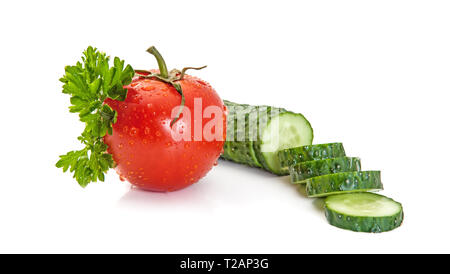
[{"x": 142, "y": 145}]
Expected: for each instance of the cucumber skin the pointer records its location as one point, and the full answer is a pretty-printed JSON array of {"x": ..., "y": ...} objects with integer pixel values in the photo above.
[
  {"x": 257, "y": 143},
  {"x": 293, "y": 156},
  {"x": 358, "y": 181},
  {"x": 305, "y": 170},
  {"x": 249, "y": 152},
  {"x": 239, "y": 151},
  {"x": 364, "y": 224}
]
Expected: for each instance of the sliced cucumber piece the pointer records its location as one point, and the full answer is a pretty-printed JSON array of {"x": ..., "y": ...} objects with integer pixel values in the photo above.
[
  {"x": 364, "y": 212},
  {"x": 265, "y": 131},
  {"x": 305, "y": 170},
  {"x": 293, "y": 156},
  {"x": 345, "y": 182}
]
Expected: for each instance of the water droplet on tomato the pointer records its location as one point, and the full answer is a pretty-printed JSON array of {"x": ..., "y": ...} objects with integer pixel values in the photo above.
[
  {"x": 125, "y": 129},
  {"x": 121, "y": 178},
  {"x": 128, "y": 163},
  {"x": 133, "y": 131},
  {"x": 148, "y": 88},
  {"x": 187, "y": 145},
  {"x": 131, "y": 142},
  {"x": 158, "y": 133},
  {"x": 120, "y": 145},
  {"x": 216, "y": 163}
]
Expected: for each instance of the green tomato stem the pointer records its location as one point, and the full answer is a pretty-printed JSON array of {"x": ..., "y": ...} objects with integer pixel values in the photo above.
[{"x": 161, "y": 63}]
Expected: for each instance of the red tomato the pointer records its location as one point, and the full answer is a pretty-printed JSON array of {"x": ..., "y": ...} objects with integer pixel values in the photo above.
[{"x": 142, "y": 142}]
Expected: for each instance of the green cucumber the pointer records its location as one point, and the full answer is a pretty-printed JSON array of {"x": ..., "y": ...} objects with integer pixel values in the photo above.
[
  {"x": 240, "y": 151},
  {"x": 345, "y": 182},
  {"x": 363, "y": 212},
  {"x": 305, "y": 170},
  {"x": 255, "y": 134},
  {"x": 293, "y": 156}
]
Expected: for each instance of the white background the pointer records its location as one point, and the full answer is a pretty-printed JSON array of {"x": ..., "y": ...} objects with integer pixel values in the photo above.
[{"x": 371, "y": 74}]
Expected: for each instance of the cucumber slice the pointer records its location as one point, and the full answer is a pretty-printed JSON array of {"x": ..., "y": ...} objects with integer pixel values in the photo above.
[
  {"x": 293, "y": 156},
  {"x": 363, "y": 212},
  {"x": 305, "y": 170},
  {"x": 265, "y": 130},
  {"x": 345, "y": 182}
]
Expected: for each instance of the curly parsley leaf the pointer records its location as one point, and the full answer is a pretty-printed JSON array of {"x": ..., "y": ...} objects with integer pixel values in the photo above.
[{"x": 89, "y": 83}]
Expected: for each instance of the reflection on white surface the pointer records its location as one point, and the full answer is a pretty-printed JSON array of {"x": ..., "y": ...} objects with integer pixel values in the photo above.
[
  {"x": 193, "y": 197},
  {"x": 210, "y": 192}
]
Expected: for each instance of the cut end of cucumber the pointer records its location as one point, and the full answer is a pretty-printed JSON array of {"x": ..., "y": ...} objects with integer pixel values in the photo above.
[{"x": 286, "y": 130}]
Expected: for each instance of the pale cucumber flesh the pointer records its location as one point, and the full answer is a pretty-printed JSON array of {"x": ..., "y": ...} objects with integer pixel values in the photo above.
[
  {"x": 287, "y": 130},
  {"x": 256, "y": 133},
  {"x": 365, "y": 212}
]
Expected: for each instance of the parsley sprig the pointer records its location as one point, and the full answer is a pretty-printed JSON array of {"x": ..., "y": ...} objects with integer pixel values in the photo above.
[{"x": 89, "y": 83}]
